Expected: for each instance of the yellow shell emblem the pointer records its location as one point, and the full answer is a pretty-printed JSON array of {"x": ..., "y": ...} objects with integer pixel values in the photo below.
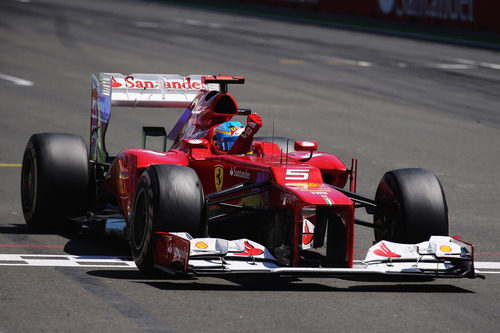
[{"x": 201, "y": 245}]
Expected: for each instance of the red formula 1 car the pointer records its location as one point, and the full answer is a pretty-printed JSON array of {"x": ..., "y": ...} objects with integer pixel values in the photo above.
[{"x": 222, "y": 200}]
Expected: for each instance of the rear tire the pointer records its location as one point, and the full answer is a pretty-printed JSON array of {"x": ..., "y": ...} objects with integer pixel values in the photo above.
[
  {"x": 168, "y": 198},
  {"x": 411, "y": 207},
  {"x": 54, "y": 179}
]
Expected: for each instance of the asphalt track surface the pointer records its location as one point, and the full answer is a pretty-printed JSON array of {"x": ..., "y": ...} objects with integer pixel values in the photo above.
[{"x": 388, "y": 101}]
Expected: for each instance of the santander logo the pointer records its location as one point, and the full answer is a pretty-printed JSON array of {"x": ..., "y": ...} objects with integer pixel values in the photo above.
[
  {"x": 131, "y": 82},
  {"x": 114, "y": 83}
]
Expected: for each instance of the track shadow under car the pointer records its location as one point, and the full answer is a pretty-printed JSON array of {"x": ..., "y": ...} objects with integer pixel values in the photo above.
[{"x": 271, "y": 283}]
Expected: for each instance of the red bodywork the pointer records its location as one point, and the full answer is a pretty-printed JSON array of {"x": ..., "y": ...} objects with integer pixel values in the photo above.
[{"x": 295, "y": 180}]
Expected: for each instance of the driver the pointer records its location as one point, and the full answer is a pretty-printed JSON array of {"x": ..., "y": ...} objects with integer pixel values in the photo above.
[{"x": 232, "y": 138}]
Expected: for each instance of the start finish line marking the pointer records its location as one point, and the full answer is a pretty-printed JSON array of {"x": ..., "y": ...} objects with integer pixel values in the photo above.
[{"x": 43, "y": 260}]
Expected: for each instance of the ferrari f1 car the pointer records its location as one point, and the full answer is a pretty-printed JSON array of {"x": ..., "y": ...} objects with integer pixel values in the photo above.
[{"x": 276, "y": 206}]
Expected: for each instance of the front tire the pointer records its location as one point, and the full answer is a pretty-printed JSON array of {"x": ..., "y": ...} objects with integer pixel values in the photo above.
[
  {"x": 411, "y": 207},
  {"x": 168, "y": 198},
  {"x": 54, "y": 179}
]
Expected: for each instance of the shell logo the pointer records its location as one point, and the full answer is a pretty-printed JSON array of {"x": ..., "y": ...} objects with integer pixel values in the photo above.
[
  {"x": 201, "y": 245},
  {"x": 445, "y": 248}
]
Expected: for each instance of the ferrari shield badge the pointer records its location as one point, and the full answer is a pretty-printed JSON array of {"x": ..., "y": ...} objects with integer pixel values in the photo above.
[{"x": 219, "y": 177}]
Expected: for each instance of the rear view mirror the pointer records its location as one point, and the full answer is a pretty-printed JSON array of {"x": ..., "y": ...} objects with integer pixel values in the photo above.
[{"x": 306, "y": 146}]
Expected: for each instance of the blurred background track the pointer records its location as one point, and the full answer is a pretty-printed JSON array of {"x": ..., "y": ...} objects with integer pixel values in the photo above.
[{"x": 392, "y": 102}]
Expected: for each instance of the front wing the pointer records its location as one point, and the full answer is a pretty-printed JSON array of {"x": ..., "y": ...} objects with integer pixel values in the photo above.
[{"x": 179, "y": 253}]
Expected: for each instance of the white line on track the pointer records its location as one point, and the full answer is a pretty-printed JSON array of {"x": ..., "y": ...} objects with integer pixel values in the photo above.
[
  {"x": 451, "y": 66},
  {"x": 475, "y": 64},
  {"x": 190, "y": 22},
  {"x": 340, "y": 61},
  {"x": 197, "y": 23},
  {"x": 487, "y": 265},
  {"x": 489, "y": 65},
  {"x": 65, "y": 261},
  {"x": 462, "y": 61},
  {"x": 335, "y": 61},
  {"x": 16, "y": 80},
  {"x": 143, "y": 24},
  {"x": 42, "y": 260}
]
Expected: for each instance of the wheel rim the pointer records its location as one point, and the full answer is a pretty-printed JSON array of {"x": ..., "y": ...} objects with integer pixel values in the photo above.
[
  {"x": 140, "y": 219},
  {"x": 384, "y": 228},
  {"x": 386, "y": 219},
  {"x": 29, "y": 182}
]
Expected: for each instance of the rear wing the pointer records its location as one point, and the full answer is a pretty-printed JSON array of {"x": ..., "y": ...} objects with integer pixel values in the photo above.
[
  {"x": 152, "y": 90},
  {"x": 137, "y": 90}
]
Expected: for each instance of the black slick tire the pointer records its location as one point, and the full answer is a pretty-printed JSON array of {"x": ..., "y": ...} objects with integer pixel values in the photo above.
[
  {"x": 411, "y": 207},
  {"x": 54, "y": 179},
  {"x": 168, "y": 198}
]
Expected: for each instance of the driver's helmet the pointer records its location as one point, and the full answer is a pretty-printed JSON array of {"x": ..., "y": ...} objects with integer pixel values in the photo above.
[{"x": 227, "y": 133}]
